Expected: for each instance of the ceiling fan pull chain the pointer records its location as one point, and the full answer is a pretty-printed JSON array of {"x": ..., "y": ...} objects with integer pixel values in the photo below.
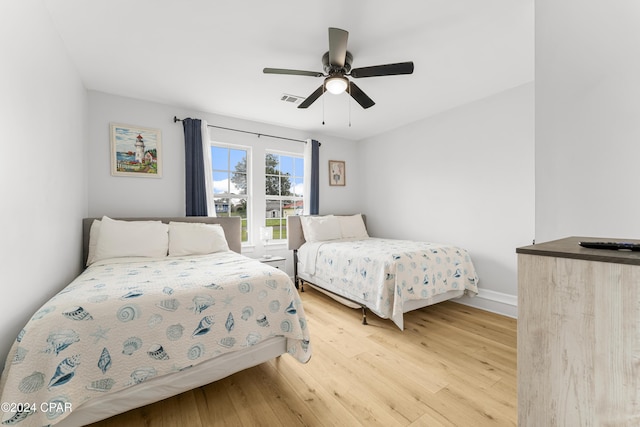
[
  {"x": 349, "y": 103},
  {"x": 323, "y": 104}
]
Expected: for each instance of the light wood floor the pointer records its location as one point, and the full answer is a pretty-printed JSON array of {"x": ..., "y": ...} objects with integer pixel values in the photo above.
[{"x": 452, "y": 366}]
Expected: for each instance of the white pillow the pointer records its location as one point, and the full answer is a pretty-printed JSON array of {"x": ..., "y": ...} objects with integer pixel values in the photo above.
[
  {"x": 93, "y": 241},
  {"x": 131, "y": 238},
  {"x": 320, "y": 228},
  {"x": 352, "y": 227},
  {"x": 195, "y": 238}
]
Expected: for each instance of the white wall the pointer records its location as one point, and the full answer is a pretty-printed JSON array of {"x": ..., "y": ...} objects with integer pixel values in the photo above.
[
  {"x": 587, "y": 119},
  {"x": 43, "y": 190},
  {"x": 465, "y": 177},
  {"x": 126, "y": 196}
]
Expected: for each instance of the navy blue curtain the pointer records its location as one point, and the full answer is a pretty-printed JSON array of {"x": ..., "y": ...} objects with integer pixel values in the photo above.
[
  {"x": 196, "y": 192},
  {"x": 314, "y": 199}
]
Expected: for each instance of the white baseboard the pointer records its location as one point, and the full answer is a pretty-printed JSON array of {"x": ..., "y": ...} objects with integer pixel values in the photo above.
[
  {"x": 488, "y": 300},
  {"x": 495, "y": 302}
]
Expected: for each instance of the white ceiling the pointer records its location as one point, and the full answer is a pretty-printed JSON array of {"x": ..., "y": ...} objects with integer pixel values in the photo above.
[{"x": 208, "y": 55}]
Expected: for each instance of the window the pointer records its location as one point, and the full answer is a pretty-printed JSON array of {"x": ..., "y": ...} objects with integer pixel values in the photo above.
[
  {"x": 230, "y": 183},
  {"x": 235, "y": 175},
  {"x": 284, "y": 186}
]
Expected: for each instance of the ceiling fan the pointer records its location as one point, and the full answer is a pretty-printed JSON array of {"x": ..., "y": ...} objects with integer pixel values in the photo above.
[{"x": 337, "y": 66}]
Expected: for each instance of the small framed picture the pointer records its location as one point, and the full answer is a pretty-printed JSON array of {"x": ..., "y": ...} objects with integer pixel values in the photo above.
[
  {"x": 336, "y": 172},
  {"x": 135, "y": 151}
]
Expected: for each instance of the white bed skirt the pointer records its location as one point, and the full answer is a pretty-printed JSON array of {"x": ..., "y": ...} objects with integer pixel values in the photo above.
[
  {"x": 410, "y": 305},
  {"x": 159, "y": 388}
]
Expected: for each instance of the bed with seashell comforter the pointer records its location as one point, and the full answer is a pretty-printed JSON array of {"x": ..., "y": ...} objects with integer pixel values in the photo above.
[
  {"x": 137, "y": 327},
  {"x": 336, "y": 255}
]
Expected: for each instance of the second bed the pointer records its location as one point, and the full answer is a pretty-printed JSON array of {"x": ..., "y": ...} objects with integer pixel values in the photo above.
[{"x": 389, "y": 277}]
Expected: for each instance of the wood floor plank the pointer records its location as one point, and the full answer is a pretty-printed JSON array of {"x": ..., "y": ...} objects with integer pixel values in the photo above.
[
  {"x": 403, "y": 394},
  {"x": 456, "y": 353},
  {"x": 350, "y": 385},
  {"x": 251, "y": 402},
  {"x": 340, "y": 340},
  {"x": 288, "y": 399},
  {"x": 453, "y": 365},
  {"x": 445, "y": 361},
  {"x": 480, "y": 346},
  {"x": 315, "y": 394},
  {"x": 446, "y": 319},
  {"x": 430, "y": 372},
  {"x": 478, "y": 410},
  {"x": 215, "y": 406},
  {"x": 173, "y": 414},
  {"x": 346, "y": 319},
  {"x": 431, "y": 420}
]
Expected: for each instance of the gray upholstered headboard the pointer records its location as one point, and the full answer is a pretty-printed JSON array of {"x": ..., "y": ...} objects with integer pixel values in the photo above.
[
  {"x": 295, "y": 236},
  {"x": 232, "y": 227}
]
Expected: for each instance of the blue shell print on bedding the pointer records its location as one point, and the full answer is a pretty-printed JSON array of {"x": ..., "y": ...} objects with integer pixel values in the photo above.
[{"x": 122, "y": 323}]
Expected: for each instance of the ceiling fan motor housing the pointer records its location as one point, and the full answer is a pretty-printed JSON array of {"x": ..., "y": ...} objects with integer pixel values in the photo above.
[
  {"x": 334, "y": 69},
  {"x": 337, "y": 66}
]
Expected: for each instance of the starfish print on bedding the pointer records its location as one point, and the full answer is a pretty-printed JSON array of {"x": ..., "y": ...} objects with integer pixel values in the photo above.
[
  {"x": 100, "y": 334},
  {"x": 227, "y": 300}
]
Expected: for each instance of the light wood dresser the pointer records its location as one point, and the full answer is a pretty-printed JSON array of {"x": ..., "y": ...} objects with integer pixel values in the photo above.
[{"x": 578, "y": 335}]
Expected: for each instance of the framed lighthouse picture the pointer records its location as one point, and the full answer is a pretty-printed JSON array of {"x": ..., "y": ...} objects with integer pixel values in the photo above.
[{"x": 135, "y": 151}]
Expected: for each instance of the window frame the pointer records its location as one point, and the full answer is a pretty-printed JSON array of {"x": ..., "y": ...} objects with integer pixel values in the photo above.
[
  {"x": 249, "y": 193},
  {"x": 281, "y": 198}
]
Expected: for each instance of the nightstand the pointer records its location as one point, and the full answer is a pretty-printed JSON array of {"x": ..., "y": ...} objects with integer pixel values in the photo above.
[{"x": 275, "y": 261}]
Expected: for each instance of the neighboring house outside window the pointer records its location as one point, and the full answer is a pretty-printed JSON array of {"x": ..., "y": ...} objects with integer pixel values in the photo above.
[
  {"x": 284, "y": 186},
  {"x": 231, "y": 184}
]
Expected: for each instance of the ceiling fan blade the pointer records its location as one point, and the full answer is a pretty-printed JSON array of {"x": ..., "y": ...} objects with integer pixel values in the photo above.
[
  {"x": 337, "y": 46},
  {"x": 311, "y": 98},
  {"x": 361, "y": 97},
  {"x": 383, "y": 70},
  {"x": 293, "y": 72}
]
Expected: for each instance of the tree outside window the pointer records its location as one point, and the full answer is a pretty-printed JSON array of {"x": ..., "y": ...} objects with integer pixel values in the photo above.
[
  {"x": 230, "y": 189},
  {"x": 284, "y": 187}
]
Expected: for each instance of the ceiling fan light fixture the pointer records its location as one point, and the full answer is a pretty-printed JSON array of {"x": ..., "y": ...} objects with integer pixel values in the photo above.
[
  {"x": 336, "y": 64},
  {"x": 336, "y": 84}
]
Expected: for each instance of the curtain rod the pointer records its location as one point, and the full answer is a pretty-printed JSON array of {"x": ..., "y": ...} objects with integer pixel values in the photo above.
[{"x": 176, "y": 119}]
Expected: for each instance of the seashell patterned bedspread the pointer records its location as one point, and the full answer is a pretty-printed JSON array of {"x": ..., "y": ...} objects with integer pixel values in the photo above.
[
  {"x": 119, "y": 324},
  {"x": 385, "y": 273}
]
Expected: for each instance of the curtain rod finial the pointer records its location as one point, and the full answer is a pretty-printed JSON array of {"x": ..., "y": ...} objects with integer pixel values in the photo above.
[{"x": 176, "y": 119}]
